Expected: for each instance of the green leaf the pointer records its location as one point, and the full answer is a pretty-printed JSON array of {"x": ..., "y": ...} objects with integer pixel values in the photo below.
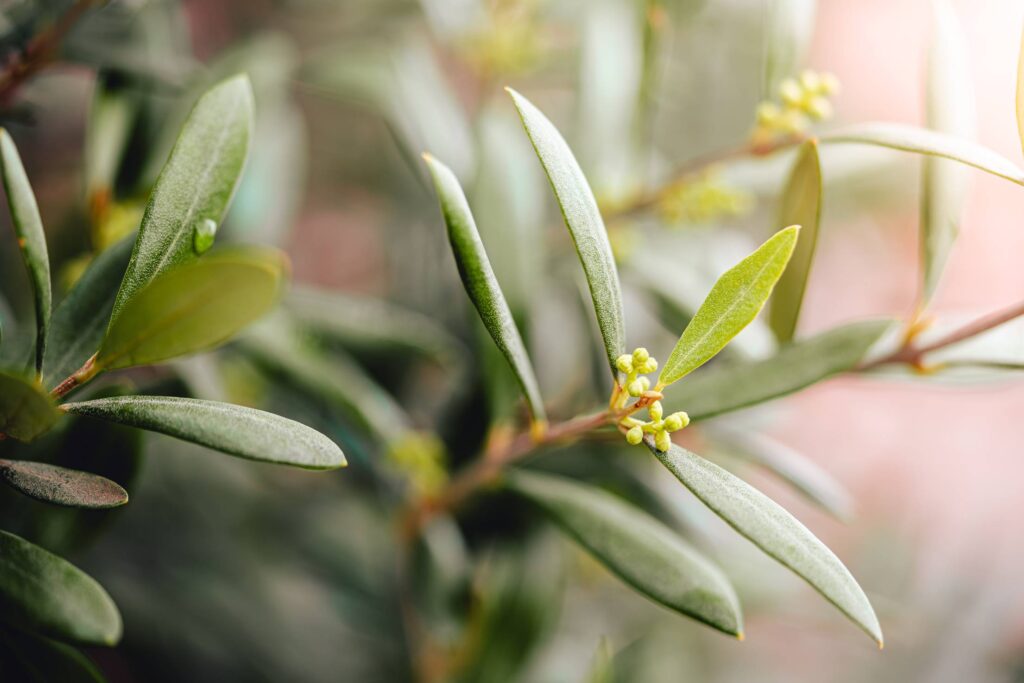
[
  {"x": 582, "y": 217},
  {"x": 48, "y": 595},
  {"x": 800, "y": 364},
  {"x": 80, "y": 320},
  {"x": 950, "y": 109},
  {"x": 792, "y": 467},
  {"x": 193, "y": 307},
  {"x": 31, "y": 659},
  {"x": 733, "y": 302},
  {"x": 28, "y": 227},
  {"x": 25, "y": 410},
  {"x": 801, "y": 205},
  {"x": 639, "y": 549},
  {"x": 481, "y": 285},
  {"x": 195, "y": 185},
  {"x": 61, "y": 486},
  {"x": 774, "y": 531},
  {"x": 244, "y": 432},
  {"x": 923, "y": 141}
]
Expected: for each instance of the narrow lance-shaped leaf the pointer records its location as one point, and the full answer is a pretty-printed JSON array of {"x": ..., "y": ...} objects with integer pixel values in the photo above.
[
  {"x": 231, "y": 429},
  {"x": 33, "y": 658},
  {"x": 774, "y": 531},
  {"x": 193, "y": 307},
  {"x": 582, "y": 217},
  {"x": 195, "y": 186},
  {"x": 732, "y": 303},
  {"x": 46, "y": 594},
  {"x": 80, "y": 320},
  {"x": 481, "y": 284},
  {"x": 26, "y": 411},
  {"x": 801, "y": 205},
  {"x": 62, "y": 486},
  {"x": 28, "y": 227},
  {"x": 738, "y": 385},
  {"x": 642, "y": 551},
  {"x": 950, "y": 109},
  {"x": 923, "y": 141}
]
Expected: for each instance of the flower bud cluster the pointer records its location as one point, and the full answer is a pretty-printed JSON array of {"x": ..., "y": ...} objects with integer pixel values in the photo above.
[
  {"x": 636, "y": 365},
  {"x": 801, "y": 101},
  {"x": 659, "y": 425},
  {"x": 702, "y": 198}
]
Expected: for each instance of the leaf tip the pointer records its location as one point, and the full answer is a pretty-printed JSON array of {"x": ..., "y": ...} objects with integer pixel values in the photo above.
[{"x": 740, "y": 636}]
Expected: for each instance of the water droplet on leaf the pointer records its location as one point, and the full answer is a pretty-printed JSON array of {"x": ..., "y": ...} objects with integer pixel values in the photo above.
[{"x": 203, "y": 234}]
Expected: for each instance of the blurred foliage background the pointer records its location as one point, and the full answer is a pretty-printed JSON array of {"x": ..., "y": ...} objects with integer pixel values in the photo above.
[{"x": 229, "y": 571}]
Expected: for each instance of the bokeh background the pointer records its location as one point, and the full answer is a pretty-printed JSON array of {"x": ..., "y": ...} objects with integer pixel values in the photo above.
[{"x": 229, "y": 571}]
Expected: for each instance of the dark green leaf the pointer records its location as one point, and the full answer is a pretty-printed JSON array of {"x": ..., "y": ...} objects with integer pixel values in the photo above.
[
  {"x": 46, "y": 594},
  {"x": 733, "y": 302},
  {"x": 80, "y": 320},
  {"x": 950, "y": 109},
  {"x": 923, "y": 141},
  {"x": 194, "y": 306},
  {"x": 642, "y": 551},
  {"x": 28, "y": 227},
  {"x": 26, "y": 658},
  {"x": 195, "y": 185},
  {"x": 26, "y": 411},
  {"x": 801, "y": 205},
  {"x": 582, "y": 217},
  {"x": 61, "y": 486},
  {"x": 800, "y": 364},
  {"x": 481, "y": 285},
  {"x": 774, "y": 531},
  {"x": 235, "y": 430}
]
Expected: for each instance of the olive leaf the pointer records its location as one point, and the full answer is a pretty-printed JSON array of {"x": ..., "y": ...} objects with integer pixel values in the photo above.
[
  {"x": 195, "y": 186},
  {"x": 45, "y": 594},
  {"x": 741, "y": 384},
  {"x": 774, "y": 531},
  {"x": 639, "y": 549},
  {"x": 582, "y": 217},
  {"x": 28, "y": 227},
  {"x": 481, "y": 284},
  {"x": 80, "y": 321},
  {"x": 62, "y": 486},
  {"x": 32, "y": 658},
  {"x": 923, "y": 141},
  {"x": 949, "y": 109},
  {"x": 732, "y": 303},
  {"x": 231, "y": 429},
  {"x": 194, "y": 306},
  {"x": 801, "y": 205},
  {"x": 26, "y": 411}
]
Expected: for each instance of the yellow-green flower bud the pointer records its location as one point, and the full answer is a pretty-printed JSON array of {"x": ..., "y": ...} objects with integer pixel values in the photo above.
[
  {"x": 635, "y": 435},
  {"x": 829, "y": 84},
  {"x": 810, "y": 81},
  {"x": 793, "y": 122},
  {"x": 662, "y": 441},
  {"x": 640, "y": 356},
  {"x": 677, "y": 421},
  {"x": 791, "y": 92},
  {"x": 635, "y": 388},
  {"x": 650, "y": 365},
  {"x": 819, "y": 108},
  {"x": 655, "y": 411},
  {"x": 768, "y": 114},
  {"x": 645, "y": 382},
  {"x": 624, "y": 363}
]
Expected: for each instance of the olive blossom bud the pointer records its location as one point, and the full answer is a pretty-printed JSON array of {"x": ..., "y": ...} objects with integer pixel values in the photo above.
[
  {"x": 829, "y": 84},
  {"x": 650, "y": 365},
  {"x": 645, "y": 382},
  {"x": 655, "y": 411},
  {"x": 635, "y": 388},
  {"x": 768, "y": 113},
  {"x": 810, "y": 81},
  {"x": 662, "y": 441},
  {"x": 819, "y": 108},
  {"x": 791, "y": 92},
  {"x": 677, "y": 421},
  {"x": 624, "y": 363},
  {"x": 640, "y": 356},
  {"x": 635, "y": 435}
]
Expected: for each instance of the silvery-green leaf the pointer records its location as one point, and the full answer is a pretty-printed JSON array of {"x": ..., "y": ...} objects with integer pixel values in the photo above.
[
  {"x": 80, "y": 321},
  {"x": 194, "y": 306},
  {"x": 62, "y": 486},
  {"x": 195, "y": 186},
  {"x": 582, "y": 217},
  {"x": 800, "y": 205},
  {"x": 923, "y": 141},
  {"x": 773, "y": 530},
  {"x": 732, "y": 303},
  {"x": 481, "y": 285},
  {"x": 949, "y": 109},
  {"x": 26, "y": 411},
  {"x": 800, "y": 364},
  {"x": 28, "y": 227},
  {"x": 45, "y": 594},
  {"x": 639, "y": 549},
  {"x": 231, "y": 429}
]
